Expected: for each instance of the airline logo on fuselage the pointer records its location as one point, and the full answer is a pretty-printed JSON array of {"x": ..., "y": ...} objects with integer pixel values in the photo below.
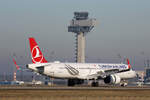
[
  {"x": 72, "y": 70},
  {"x": 113, "y": 66}
]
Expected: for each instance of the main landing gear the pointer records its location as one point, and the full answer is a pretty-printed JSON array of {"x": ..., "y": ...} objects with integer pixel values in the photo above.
[
  {"x": 73, "y": 82},
  {"x": 95, "y": 84},
  {"x": 123, "y": 84}
]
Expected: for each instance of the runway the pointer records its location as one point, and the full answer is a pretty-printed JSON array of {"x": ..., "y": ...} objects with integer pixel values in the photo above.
[
  {"x": 74, "y": 93},
  {"x": 70, "y": 88}
]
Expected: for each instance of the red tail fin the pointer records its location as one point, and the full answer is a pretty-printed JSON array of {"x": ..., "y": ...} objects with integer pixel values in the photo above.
[
  {"x": 16, "y": 64},
  {"x": 128, "y": 62},
  {"x": 37, "y": 56}
]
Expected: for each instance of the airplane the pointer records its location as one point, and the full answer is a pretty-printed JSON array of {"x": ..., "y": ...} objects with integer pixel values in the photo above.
[{"x": 76, "y": 73}]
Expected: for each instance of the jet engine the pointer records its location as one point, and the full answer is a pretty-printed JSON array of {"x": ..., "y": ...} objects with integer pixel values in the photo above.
[{"x": 112, "y": 79}]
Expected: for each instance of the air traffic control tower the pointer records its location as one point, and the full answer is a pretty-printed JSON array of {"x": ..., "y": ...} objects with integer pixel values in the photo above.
[{"x": 81, "y": 25}]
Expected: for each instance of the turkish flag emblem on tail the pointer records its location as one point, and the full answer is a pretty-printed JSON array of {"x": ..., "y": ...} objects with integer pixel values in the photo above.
[{"x": 37, "y": 56}]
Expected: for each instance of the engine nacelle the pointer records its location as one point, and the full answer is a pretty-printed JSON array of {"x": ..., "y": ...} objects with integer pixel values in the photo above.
[{"x": 112, "y": 79}]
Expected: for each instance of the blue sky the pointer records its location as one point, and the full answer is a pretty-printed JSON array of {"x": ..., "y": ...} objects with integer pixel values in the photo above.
[{"x": 122, "y": 28}]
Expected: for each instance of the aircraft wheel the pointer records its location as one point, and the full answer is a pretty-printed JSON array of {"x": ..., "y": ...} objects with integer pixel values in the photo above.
[
  {"x": 71, "y": 82},
  {"x": 94, "y": 84},
  {"x": 123, "y": 84}
]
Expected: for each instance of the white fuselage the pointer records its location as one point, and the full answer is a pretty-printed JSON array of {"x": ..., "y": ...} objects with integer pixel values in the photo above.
[{"x": 80, "y": 70}]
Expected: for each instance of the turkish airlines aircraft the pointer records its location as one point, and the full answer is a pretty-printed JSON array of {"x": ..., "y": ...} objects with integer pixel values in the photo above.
[{"x": 76, "y": 73}]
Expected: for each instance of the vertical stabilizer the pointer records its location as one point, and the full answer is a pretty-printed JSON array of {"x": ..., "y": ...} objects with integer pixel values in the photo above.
[
  {"x": 128, "y": 62},
  {"x": 36, "y": 54}
]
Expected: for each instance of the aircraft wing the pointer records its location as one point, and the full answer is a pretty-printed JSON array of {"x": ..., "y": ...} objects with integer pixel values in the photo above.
[
  {"x": 102, "y": 74},
  {"x": 97, "y": 75},
  {"x": 111, "y": 71}
]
